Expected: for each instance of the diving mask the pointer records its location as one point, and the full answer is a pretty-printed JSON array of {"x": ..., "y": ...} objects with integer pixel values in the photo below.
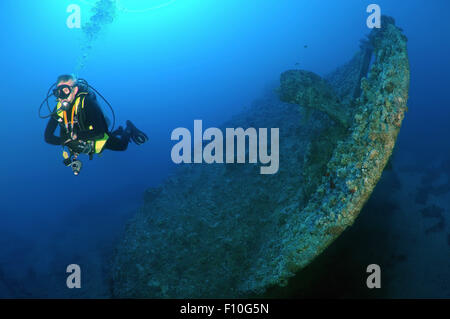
[{"x": 63, "y": 91}]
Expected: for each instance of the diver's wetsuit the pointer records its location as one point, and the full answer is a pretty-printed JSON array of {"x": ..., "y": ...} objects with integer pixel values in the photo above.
[{"x": 90, "y": 115}]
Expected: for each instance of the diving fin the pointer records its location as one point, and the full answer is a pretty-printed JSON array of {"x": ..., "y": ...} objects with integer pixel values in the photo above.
[{"x": 136, "y": 135}]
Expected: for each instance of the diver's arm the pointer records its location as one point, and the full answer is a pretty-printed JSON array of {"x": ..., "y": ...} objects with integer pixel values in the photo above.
[
  {"x": 49, "y": 135},
  {"x": 95, "y": 119}
]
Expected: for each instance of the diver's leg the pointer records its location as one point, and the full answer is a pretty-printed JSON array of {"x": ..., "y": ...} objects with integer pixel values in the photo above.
[{"x": 118, "y": 140}]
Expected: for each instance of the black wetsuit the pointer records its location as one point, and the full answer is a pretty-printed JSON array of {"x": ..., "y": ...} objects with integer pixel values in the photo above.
[{"x": 90, "y": 115}]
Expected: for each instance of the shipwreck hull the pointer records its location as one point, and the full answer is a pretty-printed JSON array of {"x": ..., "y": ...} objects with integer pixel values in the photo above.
[{"x": 224, "y": 230}]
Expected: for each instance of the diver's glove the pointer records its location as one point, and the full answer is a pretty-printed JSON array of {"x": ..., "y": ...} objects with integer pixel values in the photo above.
[{"x": 79, "y": 146}]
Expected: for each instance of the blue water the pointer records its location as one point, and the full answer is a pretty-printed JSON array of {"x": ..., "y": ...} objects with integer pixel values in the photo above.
[{"x": 163, "y": 64}]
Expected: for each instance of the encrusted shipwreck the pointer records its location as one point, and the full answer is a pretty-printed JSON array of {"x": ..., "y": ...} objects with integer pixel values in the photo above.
[{"x": 224, "y": 230}]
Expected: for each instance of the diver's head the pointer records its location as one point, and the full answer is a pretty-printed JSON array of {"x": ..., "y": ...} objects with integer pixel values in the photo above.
[{"x": 66, "y": 89}]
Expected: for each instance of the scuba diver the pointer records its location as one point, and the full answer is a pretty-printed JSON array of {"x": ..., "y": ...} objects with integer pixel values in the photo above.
[{"x": 83, "y": 126}]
